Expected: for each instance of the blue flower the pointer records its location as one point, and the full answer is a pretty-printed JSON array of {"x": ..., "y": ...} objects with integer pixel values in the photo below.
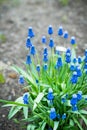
[
  {"x": 51, "y": 43},
  {"x": 45, "y": 59},
  {"x": 59, "y": 62},
  {"x": 28, "y": 60},
  {"x": 73, "y": 101},
  {"x": 52, "y": 114},
  {"x": 26, "y": 98},
  {"x": 50, "y": 30},
  {"x": 85, "y": 59},
  {"x": 64, "y": 116},
  {"x": 21, "y": 80},
  {"x": 68, "y": 51},
  {"x": 79, "y": 95},
  {"x": 37, "y": 81},
  {"x": 78, "y": 70},
  {"x": 85, "y": 66},
  {"x": 72, "y": 67},
  {"x": 60, "y": 31},
  {"x": 30, "y": 32},
  {"x": 50, "y": 95},
  {"x": 74, "y": 60},
  {"x": 74, "y": 78},
  {"x": 68, "y": 57},
  {"x": 38, "y": 68},
  {"x": 45, "y": 51},
  {"x": 86, "y": 52},
  {"x": 28, "y": 42},
  {"x": 79, "y": 59},
  {"x": 66, "y": 35},
  {"x": 43, "y": 39},
  {"x": 86, "y": 71},
  {"x": 45, "y": 67},
  {"x": 33, "y": 51},
  {"x": 73, "y": 40},
  {"x": 74, "y": 108},
  {"x": 63, "y": 100}
]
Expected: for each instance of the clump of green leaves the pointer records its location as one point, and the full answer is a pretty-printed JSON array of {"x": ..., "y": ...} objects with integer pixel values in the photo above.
[{"x": 56, "y": 95}]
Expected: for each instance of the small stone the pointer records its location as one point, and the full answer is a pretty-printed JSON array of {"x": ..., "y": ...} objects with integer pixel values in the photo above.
[{"x": 12, "y": 75}]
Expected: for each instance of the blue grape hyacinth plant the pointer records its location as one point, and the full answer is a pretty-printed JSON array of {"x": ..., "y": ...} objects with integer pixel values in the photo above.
[{"x": 56, "y": 83}]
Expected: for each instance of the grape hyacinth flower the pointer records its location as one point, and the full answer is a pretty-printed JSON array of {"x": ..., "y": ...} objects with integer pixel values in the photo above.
[
  {"x": 63, "y": 100},
  {"x": 45, "y": 51},
  {"x": 38, "y": 68},
  {"x": 74, "y": 108},
  {"x": 33, "y": 51},
  {"x": 68, "y": 57},
  {"x": 59, "y": 62},
  {"x": 45, "y": 58},
  {"x": 85, "y": 66},
  {"x": 21, "y": 80},
  {"x": 72, "y": 67},
  {"x": 75, "y": 60},
  {"x": 64, "y": 116},
  {"x": 50, "y": 30},
  {"x": 73, "y": 101},
  {"x": 86, "y": 52},
  {"x": 73, "y": 40},
  {"x": 78, "y": 70},
  {"x": 45, "y": 67},
  {"x": 85, "y": 59},
  {"x": 86, "y": 71},
  {"x": 65, "y": 35},
  {"x": 79, "y": 95},
  {"x": 60, "y": 31},
  {"x": 68, "y": 51},
  {"x": 26, "y": 98},
  {"x": 28, "y": 42},
  {"x": 74, "y": 78},
  {"x": 30, "y": 32},
  {"x": 44, "y": 40},
  {"x": 51, "y": 43},
  {"x": 50, "y": 95},
  {"x": 79, "y": 59},
  {"x": 28, "y": 60},
  {"x": 52, "y": 114}
]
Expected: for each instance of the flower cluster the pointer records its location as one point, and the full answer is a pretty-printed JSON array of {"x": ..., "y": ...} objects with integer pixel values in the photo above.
[{"x": 56, "y": 84}]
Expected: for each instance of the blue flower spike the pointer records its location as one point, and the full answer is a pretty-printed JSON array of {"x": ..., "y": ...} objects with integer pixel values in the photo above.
[
  {"x": 65, "y": 35},
  {"x": 26, "y": 98},
  {"x": 51, "y": 43},
  {"x": 45, "y": 52},
  {"x": 33, "y": 50},
  {"x": 60, "y": 31},
  {"x": 44, "y": 40},
  {"x": 72, "y": 67},
  {"x": 50, "y": 95},
  {"x": 21, "y": 80},
  {"x": 79, "y": 59},
  {"x": 79, "y": 95},
  {"x": 75, "y": 60},
  {"x": 86, "y": 52},
  {"x": 59, "y": 62},
  {"x": 64, "y": 116},
  {"x": 38, "y": 68},
  {"x": 52, "y": 114},
  {"x": 79, "y": 72},
  {"x": 28, "y": 42},
  {"x": 73, "y": 101},
  {"x": 74, "y": 78},
  {"x": 30, "y": 32},
  {"x": 45, "y": 67},
  {"x": 68, "y": 58},
  {"x": 28, "y": 60},
  {"x": 74, "y": 108},
  {"x": 63, "y": 99},
  {"x": 50, "y": 30},
  {"x": 45, "y": 58},
  {"x": 73, "y": 40},
  {"x": 85, "y": 66}
]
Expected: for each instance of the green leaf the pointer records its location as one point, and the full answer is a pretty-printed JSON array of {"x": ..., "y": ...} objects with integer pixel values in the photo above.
[
  {"x": 83, "y": 112},
  {"x": 43, "y": 126},
  {"x": 78, "y": 124},
  {"x": 25, "y": 111},
  {"x": 71, "y": 122},
  {"x": 56, "y": 124},
  {"x": 84, "y": 119},
  {"x": 31, "y": 127},
  {"x": 37, "y": 100}
]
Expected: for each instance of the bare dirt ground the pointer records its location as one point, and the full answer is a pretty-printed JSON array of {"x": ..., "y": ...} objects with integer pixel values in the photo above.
[{"x": 14, "y": 22}]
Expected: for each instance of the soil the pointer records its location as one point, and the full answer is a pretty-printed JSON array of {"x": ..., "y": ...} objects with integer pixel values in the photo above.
[{"x": 15, "y": 18}]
